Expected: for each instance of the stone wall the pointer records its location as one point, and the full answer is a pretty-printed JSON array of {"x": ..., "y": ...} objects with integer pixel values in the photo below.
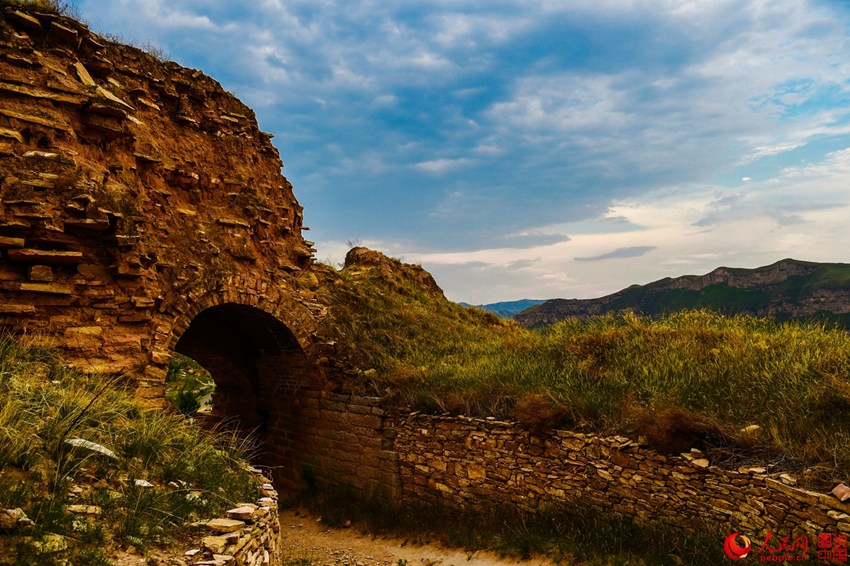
[
  {"x": 479, "y": 464},
  {"x": 249, "y": 534},
  {"x": 474, "y": 464},
  {"x": 342, "y": 440}
]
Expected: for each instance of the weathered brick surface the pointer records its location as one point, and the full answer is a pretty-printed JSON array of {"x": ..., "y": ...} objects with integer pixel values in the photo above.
[
  {"x": 342, "y": 440},
  {"x": 135, "y": 194},
  {"x": 476, "y": 464}
]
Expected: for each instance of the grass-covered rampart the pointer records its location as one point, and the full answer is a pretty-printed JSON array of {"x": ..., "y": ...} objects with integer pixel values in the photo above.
[
  {"x": 83, "y": 504},
  {"x": 694, "y": 378}
]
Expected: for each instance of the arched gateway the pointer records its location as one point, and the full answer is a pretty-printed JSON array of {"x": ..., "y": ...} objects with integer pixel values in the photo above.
[
  {"x": 258, "y": 367},
  {"x": 142, "y": 212},
  {"x": 253, "y": 358}
]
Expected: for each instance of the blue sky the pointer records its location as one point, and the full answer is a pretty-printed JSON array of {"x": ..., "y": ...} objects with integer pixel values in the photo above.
[{"x": 540, "y": 148}]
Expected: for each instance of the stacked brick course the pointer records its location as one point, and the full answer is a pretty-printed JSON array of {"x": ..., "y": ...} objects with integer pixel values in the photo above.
[
  {"x": 342, "y": 440},
  {"x": 472, "y": 463},
  {"x": 249, "y": 535}
]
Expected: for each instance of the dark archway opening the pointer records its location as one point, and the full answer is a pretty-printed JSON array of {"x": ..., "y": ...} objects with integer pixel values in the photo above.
[{"x": 257, "y": 365}]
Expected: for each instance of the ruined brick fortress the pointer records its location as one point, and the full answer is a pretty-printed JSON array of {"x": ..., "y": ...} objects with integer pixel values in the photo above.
[{"x": 143, "y": 212}]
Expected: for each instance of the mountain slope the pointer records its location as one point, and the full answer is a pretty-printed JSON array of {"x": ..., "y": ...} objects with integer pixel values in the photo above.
[
  {"x": 784, "y": 290},
  {"x": 507, "y": 309}
]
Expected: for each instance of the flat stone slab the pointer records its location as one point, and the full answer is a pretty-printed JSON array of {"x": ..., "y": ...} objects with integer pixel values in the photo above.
[
  {"x": 244, "y": 513},
  {"x": 215, "y": 543},
  {"x": 225, "y": 525},
  {"x": 7, "y": 242},
  {"x": 24, "y": 21},
  {"x": 56, "y": 125},
  {"x": 85, "y": 509},
  {"x": 48, "y": 288},
  {"x": 24, "y": 255},
  {"x": 17, "y": 309},
  {"x": 35, "y": 92},
  {"x": 841, "y": 492},
  {"x": 13, "y": 134}
]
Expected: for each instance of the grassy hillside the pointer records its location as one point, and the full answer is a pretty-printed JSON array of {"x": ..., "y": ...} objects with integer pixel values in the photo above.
[
  {"x": 82, "y": 501},
  {"x": 656, "y": 299},
  {"x": 692, "y": 378},
  {"x": 508, "y": 309},
  {"x": 720, "y": 298},
  {"x": 786, "y": 290}
]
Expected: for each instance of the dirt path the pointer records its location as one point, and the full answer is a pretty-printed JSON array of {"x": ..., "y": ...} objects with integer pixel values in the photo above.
[{"x": 308, "y": 541}]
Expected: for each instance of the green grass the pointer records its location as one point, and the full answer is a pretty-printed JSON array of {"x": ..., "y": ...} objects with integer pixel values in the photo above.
[
  {"x": 690, "y": 378},
  {"x": 188, "y": 385},
  {"x": 61, "y": 7},
  {"x": 196, "y": 474},
  {"x": 829, "y": 276}
]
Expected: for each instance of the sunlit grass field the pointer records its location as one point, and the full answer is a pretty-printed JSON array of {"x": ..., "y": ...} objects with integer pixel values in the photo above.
[{"x": 687, "y": 379}]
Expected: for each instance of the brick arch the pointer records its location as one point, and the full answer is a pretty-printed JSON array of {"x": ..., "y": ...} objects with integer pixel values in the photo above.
[
  {"x": 289, "y": 312},
  {"x": 258, "y": 366},
  {"x": 275, "y": 300},
  {"x": 249, "y": 353}
]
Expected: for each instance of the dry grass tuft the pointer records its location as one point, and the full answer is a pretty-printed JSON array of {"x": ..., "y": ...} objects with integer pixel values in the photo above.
[
  {"x": 676, "y": 430},
  {"x": 539, "y": 413}
]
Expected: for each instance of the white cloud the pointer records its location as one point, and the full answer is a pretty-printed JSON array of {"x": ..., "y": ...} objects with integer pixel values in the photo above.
[
  {"x": 441, "y": 165},
  {"x": 565, "y": 104},
  {"x": 536, "y": 118},
  {"x": 747, "y": 233},
  {"x": 489, "y": 149}
]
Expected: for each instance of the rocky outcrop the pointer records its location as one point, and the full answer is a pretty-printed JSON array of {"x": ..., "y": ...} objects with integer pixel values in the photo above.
[
  {"x": 392, "y": 271},
  {"x": 745, "y": 278},
  {"x": 134, "y": 193},
  {"x": 786, "y": 289}
]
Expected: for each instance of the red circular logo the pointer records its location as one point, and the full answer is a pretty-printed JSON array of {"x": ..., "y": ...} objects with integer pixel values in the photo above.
[{"x": 735, "y": 551}]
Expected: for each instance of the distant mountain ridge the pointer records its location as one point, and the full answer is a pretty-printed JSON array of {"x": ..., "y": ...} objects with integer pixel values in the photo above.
[
  {"x": 787, "y": 289},
  {"x": 507, "y": 309}
]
